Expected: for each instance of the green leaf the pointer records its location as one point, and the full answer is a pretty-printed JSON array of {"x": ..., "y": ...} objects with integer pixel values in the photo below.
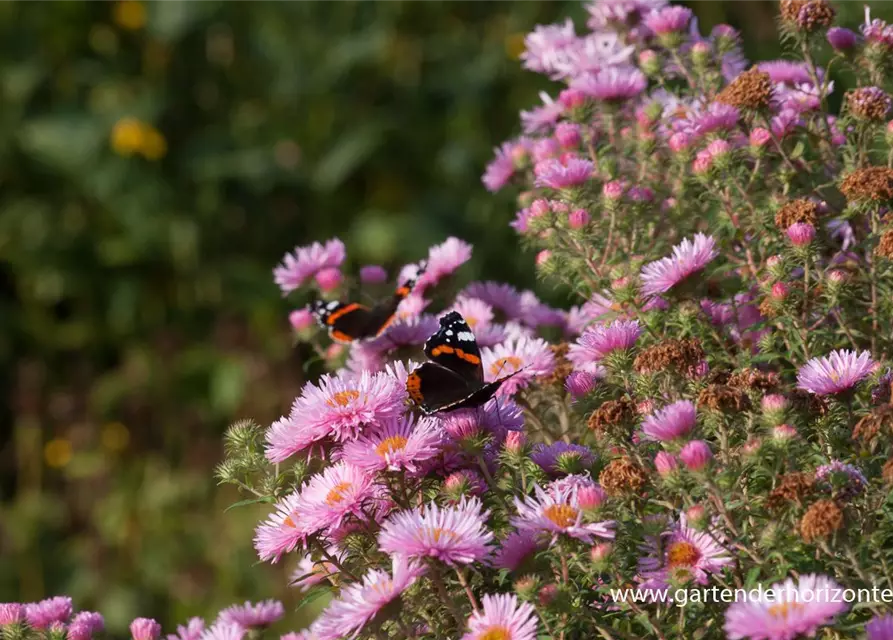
[{"x": 245, "y": 503}]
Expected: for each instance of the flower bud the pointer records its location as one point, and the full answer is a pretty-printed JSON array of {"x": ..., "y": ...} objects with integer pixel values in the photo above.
[
  {"x": 543, "y": 257},
  {"x": 578, "y": 218},
  {"x": 373, "y": 274},
  {"x": 328, "y": 279},
  {"x": 783, "y": 433},
  {"x": 613, "y": 190},
  {"x": 580, "y": 384},
  {"x": 700, "y": 54},
  {"x": 601, "y": 553},
  {"x": 591, "y": 497},
  {"x": 526, "y": 587},
  {"x": 842, "y": 40},
  {"x": 572, "y": 98},
  {"x": 665, "y": 463},
  {"x": 300, "y": 319},
  {"x": 145, "y": 629},
  {"x": 780, "y": 291},
  {"x": 801, "y": 234},
  {"x": 11, "y": 613},
  {"x": 649, "y": 62},
  {"x": 515, "y": 442},
  {"x": 696, "y": 516},
  {"x": 464, "y": 483},
  {"x": 547, "y": 594},
  {"x": 696, "y": 455}
]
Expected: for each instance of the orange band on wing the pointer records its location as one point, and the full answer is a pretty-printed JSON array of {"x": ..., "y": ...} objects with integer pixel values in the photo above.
[
  {"x": 343, "y": 310},
  {"x": 340, "y": 336},
  {"x": 402, "y": 292},
  {"x": 414, "y": 387},
  {"x": 468, "y": 357}
]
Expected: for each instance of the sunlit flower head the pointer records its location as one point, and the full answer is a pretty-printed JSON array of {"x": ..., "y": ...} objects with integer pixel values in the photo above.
[
  {"x": 549, "y": 514},
  {"x": 502, "y": 617},
  {"x": 558, "y": 457},
  {"x": 517, "y": 547},
  {"x": 306, "y": 262},
  {"x": 396, "y": 444},
  {"x": 251, "y": 616},
  {"x": 837, "y": 372},
  {"x": 682, "y": 554},
  {"x": 689, "y": 257},
  {"x": 86, "y": 624},
  {"x": 561, "y": 174},
  {"x": 670, "y": 423},
  {"x": 614, "y": 84},
  {"x": 596, "y": 342},
  {"x": 40, "y": 615},
  {"x": 222, "y": 630},
  {"x": 530, "y": 358},
  {"x": 453, "y": 535}
]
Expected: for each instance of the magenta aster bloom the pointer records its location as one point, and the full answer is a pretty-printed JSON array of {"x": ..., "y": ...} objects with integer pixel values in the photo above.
[
  {"x": 479, "y": 316},
  {"x": 359, "y": 603},
  {"x": 665, "y": 463},
  {"x": 801, "y": 234},
  {"x": 443, "y": 260},
  {"x": 501, "y": 169},
  {"x": 555, "y": 512},
  {"x": 340, "y": 407},
  {"x": 224, "y": 631},
  {"x": 696, "y": 455},
  {"x": 502, "y": 617},
  {"x": 608, "y": 13},
  {"x": 193, "y": 630},
  {"x": 717, "y": 117},
  {"x": 668, "y": 20},
  {"x": 282, "y": 531},
  {"x": 614, "y": 84},
  {"x": 835, "y": 373},
  {"x": 373, "y": 274},
  {"x": 545, "y": 44},
  {"x": 579, "y": 384},
  {"x": 880, "y": 627},
  {"x": 683, "y": 555},
  {"x": 560, "y": 174},
  {"x": 502, "y": 297},
  {"x": 145, "y": 629},
  {"x": 40, "y": 615},
  {"x": 250, "y": 615},
  {"x": 85, "y": 625},
  {"x": 542, "y": 118},
  {"x": 517, "y": 547},
  {"x": 306, "y": 262},
  {"x": 553, "y": 457},
  {"x": 597, "y": 342},
  {"x": 453, "y": 535},
  {"x": 529, "y": 357},
  {"x": 398, "y": 443},
  {"x": 331, "y": 496},
  {"x": 793, "y": 610},
  {"x": 689, "y": 257},
  {"x": 11, "y": 613},
  {"x": 670, "y": 423}
]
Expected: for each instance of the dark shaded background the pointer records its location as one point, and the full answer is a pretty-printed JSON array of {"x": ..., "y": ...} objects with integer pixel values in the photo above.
[{"x": 156, "y": 161}]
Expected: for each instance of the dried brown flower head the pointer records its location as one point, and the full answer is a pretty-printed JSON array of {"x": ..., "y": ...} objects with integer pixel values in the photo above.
[
  {"x": 614, "y": 418},
  {"x": 884, "y": 248},
  {"x": 821, "y": 520},
  {"x": 563, "y": 366},
  {"x": 815, "y": 15},
  {"x": 887, "y": 471},
  {"x": 754, "y": 379},
  {"x": 681, "y": 355},
  {"x": 622, "y": 476},
  {"x": 792, "y": 487},
  {"x": 806, "y": 402},
  {"x": 869, "y": 184},
  {"x": 725, "y": 398},
  {"x": 752, "y": 89},
  {"x": 769, "y": 307},
  {"x": 790, "y": 9},
  {"x": 872, "y": 424},
  {"x": 799, "y": 210},
  {"x": 869, "y": 103}
]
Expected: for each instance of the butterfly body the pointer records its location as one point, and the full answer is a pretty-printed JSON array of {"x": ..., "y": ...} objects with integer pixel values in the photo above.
[
  {"x": 454, "y": 376},
  {"x": 351, "y": 321}
]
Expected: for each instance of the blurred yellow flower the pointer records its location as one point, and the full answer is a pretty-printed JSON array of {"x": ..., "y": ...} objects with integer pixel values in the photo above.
[
  {"x": 115, "y": 436},
  {"x": 154, "y": 144},
  {"x": 514, "y": 45},
  {"x": 129, "y": 14},
  {"x": 130, "y": 136},
  {"x": 57, "y": 453}
]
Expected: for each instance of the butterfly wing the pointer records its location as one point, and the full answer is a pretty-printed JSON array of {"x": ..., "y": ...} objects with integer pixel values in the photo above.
[
  {"x": 454, "y": 347},
  {"x": 383, "y": 313},
  {"x": 435, "y": 388},
  {"x": 346, "y": 321}
]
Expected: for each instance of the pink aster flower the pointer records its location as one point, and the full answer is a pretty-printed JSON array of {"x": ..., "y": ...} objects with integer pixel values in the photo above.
[
  {"x": 11, "y": 613},
  {"x": 373, "y": 274},
  {"x": 282, "y": 531},
  {"x": 682, "y": 554},
  {"x": 665, "y": 463},
  {"x": 407, "y": 331},
  {"x": 542, "y": 118},
  {"x": 535, "y": 313},
  {"x": 250, "y": 616},
  {"x": 443, "y": 260},
  {"x": 360, "y": 602},
  {"x": 224, "y": 631},
  {"x": 552, "y": 458},
  {"x": 717, "y": 117},
  {"x": 306, "y": 262},
  {"x": 801, "y": 234},
  {"x": 398, "y": 443},
  {"x": 880, "y": 627},
  {"x": 337, "y": 407},
  {"x": 689, "y": 257},
  {"x": 334, "y": 494},
  {"x": 85, "y": 625},
  {"x": 597, "y": 342},
  {"x": 610, "y": 13},
  {"x": 517, "y": 547},
  {"x": 613, "y": 84},
  {"x": 552, "y": 513},
  {"x": 40, "y": 615},
  {"x": 668, "y": 20},
  {"x": 501, "y": 169},
  {"x": 192, "y": 630},
  {"x": 560, "y": 174},
  {"x": 529, "y": 358},
  {"x": 502, "y": 297},
  {"x": 145, "y": 629},
  {"x": 479, "y": 316},
  {"x": 503, "y": 617},
  {"x": 579, "y": 384},
  {"x": 670, "y": 423},
  {"x": 454, "y": 535},
  {"x": 795, "y": 609},
  {"x": 545, "y": 44},
  {"x": 696, "y": 455},
  {"x": 309, "y": 572},
  {"x": 835, "y": 373}
]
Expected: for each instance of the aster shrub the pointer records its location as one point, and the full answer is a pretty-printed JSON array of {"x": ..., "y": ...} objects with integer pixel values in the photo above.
[{"x": 711, "y": 412}]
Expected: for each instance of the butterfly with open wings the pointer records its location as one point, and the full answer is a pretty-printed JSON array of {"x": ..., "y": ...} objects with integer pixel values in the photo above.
[
  {"x": 351, "y": 321},
  {"x": 454, "y": 377}
]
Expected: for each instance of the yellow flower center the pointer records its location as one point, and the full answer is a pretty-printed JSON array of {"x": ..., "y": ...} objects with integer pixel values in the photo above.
[
  {"x": 288, "y": 522},
  {"x": 390, "y": 445},
  {"x": 336, "y": 493},
  {"x": 383, "y": 588},
  {"x": 437, "y": 534},
  {"x": 784, "y": 609},
  {"x": 343, "y": 398},
  {"x": 682, "y": 554},
  {"x": 513, "y": 361},
  {"x": 471, "y": 321},
  {"x": 496, "y": 633},
  {"x": 563, "y": 515}
]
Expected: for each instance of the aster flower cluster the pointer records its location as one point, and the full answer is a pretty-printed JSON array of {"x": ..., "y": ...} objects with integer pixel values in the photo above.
[{"x": 711, "y": 408}]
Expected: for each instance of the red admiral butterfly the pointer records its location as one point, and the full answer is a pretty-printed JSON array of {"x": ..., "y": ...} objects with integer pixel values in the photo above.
[
  {"x": 454, "y": 379},
  {"x": 350, "y": 321}
]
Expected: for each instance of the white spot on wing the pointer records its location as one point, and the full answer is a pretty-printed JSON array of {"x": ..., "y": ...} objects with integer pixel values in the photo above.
[{"x": 466, "y": 336}]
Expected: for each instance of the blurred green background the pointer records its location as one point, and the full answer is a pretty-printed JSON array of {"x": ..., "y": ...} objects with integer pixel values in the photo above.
[{"x": 156, "y": 161}]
